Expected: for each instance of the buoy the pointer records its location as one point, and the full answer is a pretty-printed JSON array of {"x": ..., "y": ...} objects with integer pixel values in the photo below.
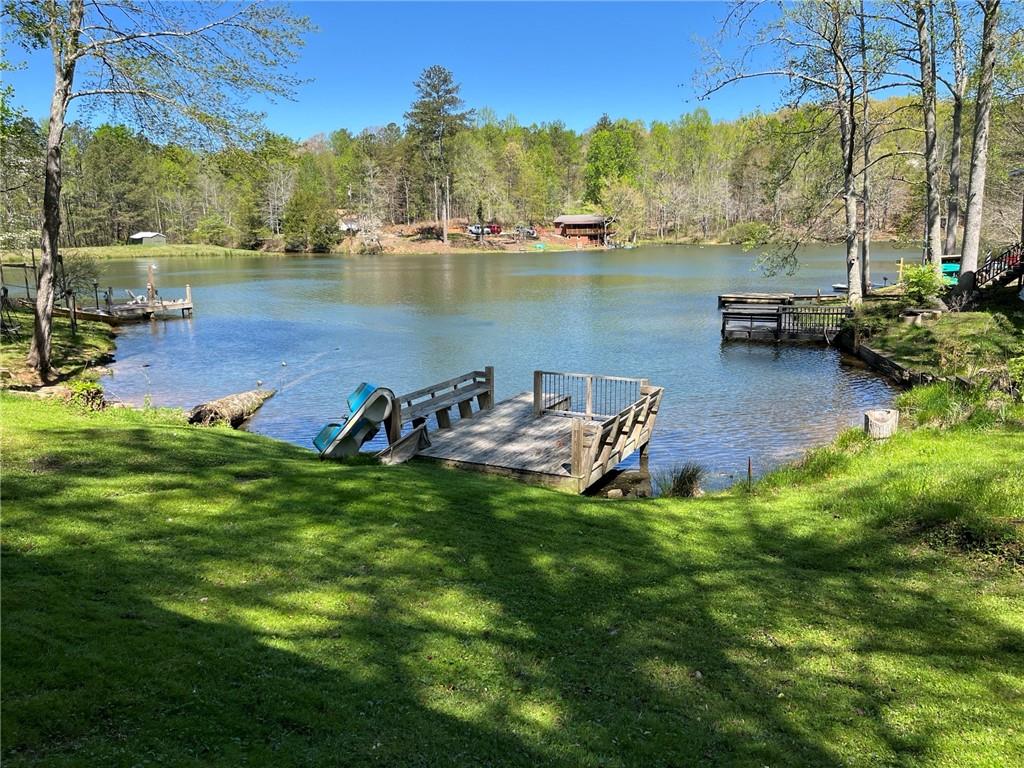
[{"x": 283, "y": 363}]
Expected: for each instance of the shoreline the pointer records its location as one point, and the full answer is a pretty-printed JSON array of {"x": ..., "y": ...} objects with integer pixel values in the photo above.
[{"x": 189, "y": 250}]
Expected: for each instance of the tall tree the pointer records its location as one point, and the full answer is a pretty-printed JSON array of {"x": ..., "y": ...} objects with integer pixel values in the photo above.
[
  {"x": 923, "y": 12},
  {"x": 170, "y": 66},
  {"x": 434, "y": 119},
  {"x": 979, "y": 149},
  {"x": 810, "y": 45},
  {"x": 957, "y": 90}
]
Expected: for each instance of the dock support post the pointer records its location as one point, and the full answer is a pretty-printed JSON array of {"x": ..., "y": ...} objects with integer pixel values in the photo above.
[
  {"x": 538, "y": 400},
  {"x": 576, "y": 448},
  {"x": 589, "y": 410}
]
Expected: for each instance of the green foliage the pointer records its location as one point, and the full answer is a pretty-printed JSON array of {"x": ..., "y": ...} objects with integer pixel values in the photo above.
[
  {"x": 86, "y": 393},
  {"x": 211, "y": 230},
  {"x": 921, "y": 283},
  {"x": 749, "y": 234},
  {"x": 1015, "y": 366},
  {"x": 679, "y": 481},
  {"x": 613, "y": 156}
]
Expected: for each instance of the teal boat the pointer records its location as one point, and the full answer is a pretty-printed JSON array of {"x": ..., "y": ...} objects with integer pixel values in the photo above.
[{"x": 368, "y": 407}]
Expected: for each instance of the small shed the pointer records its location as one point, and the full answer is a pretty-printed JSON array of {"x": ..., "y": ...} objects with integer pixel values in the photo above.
[
  {"x": 148, "y": 238},
  {"x": 593, "y": 227}
]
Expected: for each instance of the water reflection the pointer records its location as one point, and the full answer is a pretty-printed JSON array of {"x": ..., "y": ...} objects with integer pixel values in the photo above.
[{"x": 407, "y": 321}]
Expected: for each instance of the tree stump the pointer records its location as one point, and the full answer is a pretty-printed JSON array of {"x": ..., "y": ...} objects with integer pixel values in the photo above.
[
  {"x": 881, "y": 423},
  {"x": 233, "y": 409}
]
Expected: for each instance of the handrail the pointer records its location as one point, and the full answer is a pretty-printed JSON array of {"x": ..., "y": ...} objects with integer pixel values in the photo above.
[
  {"x": 584, "y": 394},
  {"x": 993, "y": 268},
  {"x": 597, "y": 447}
]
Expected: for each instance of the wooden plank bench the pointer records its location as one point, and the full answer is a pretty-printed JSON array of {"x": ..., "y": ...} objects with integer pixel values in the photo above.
[{"x": 437, "y": 400}]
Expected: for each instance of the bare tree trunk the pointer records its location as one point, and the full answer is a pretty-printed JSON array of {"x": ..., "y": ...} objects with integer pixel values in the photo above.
[
  {"x": 979, "y": 151},
  {"x": 846, "y": 104},
  {"x": 865, "y": 235},
  {"x": 933, "y": 213},
  {"x": 64, "y": 74},
  {"x": 956, "y": 138},
  {"x": 444, "y": 210}
]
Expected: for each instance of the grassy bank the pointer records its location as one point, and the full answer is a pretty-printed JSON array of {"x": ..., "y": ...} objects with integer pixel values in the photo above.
[
  {"x": 72, "y": 354},
  {"x": 957, "y": 343},
  {"x": 183, "y": 596}
]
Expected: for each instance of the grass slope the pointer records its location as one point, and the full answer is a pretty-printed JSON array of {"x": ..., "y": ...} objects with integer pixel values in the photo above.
[
  {"x": 71, "y": 354},
  {"x": 182, "y": 596},
  {"x": 959, "y": 343}
]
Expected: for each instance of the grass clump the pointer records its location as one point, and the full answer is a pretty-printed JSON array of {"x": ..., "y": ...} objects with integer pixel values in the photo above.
[
  {"x": 946, "y": 404},
  {"x": 679, "y": 481},
  {"x": 183, "y": 596}
]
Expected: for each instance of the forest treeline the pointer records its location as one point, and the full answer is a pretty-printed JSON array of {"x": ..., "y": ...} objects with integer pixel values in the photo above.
[
  {"x": 776, "y": 176},
  {"x": 692, "y": 178}
]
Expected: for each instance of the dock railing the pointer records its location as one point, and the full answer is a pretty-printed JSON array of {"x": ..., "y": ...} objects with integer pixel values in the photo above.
[
  {"x": 598, "y": 447},
  {"x": 437, "y": 400},
  {"x": 583, "y": 394}
]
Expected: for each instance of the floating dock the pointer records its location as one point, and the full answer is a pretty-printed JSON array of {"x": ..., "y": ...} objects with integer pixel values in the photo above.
[
  {"x": 568, "y": 433},
  {"x": 783, "y": 322}
]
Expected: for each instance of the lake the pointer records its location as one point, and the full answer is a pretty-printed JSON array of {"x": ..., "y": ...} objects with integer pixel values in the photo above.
[{"x": 315, "y": 327}]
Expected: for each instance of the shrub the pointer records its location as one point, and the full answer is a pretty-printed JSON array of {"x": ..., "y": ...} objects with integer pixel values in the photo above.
[
  {"x": 750, "y": 234},
  {"x": 921, "y": 283},
  {"x": 211, "y": 230},
  {"x": 1015, "y": 365},
  {"x": 679, "y": 480},
  {"x": 87, "y": 394}
]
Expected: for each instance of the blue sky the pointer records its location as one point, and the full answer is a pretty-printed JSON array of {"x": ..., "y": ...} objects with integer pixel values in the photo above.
[{"x": 541, "y": 61}]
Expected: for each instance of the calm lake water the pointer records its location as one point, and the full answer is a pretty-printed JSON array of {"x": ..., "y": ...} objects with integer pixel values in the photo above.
[{"x": 315, "y": 327}]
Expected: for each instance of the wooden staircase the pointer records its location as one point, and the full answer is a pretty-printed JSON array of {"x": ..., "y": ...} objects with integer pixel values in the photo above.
[{"x": 1002, "y": 269}]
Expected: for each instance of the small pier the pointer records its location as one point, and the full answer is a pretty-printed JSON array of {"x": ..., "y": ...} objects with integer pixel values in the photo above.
[
  {"x": 105, "y": 309},
  {"x": 756, "y": 317},
  {"x": 567, "y": 433}
]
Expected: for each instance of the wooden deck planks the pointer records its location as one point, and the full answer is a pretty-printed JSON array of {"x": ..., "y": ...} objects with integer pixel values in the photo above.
[{"x": 509, "y": 437}]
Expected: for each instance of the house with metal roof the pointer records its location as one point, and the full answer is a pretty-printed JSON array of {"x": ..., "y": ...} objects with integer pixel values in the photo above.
[
  {"x": 148, "y": 238},
  {"x": 592, "y": 227}
]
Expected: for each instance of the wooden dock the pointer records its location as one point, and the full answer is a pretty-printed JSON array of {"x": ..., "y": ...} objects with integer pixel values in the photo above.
[
  {"x": 783, "y": 322},
  {"x": 568, "y": 433},
  {"x": 725, "y": 299}
]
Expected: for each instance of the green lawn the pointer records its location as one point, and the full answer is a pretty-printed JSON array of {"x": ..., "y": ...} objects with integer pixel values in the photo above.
[
  {"x": 161, "y": 251},
  {"x": 181, "y": 596},
  {"x": 964, "y": 343},
  {"x": 71, "y": 354}
]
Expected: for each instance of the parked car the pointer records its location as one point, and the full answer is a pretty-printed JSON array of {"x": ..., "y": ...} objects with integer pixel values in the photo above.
[
  {"x": 529, "y": 232},
  {"x": 475, "y": 229},
  {"x": 492, "y": 229}
]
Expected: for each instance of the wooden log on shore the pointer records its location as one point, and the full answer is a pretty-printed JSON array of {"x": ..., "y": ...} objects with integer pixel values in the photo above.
[
  {"x": 881, "y": 423},
  {"x": 233, "y": 409}
]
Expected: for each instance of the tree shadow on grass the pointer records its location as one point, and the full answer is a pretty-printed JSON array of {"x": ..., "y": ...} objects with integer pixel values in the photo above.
[{"x": 410, "y": 616}]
